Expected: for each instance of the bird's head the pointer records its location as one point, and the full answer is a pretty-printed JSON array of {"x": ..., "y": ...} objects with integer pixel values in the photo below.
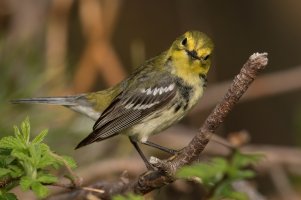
[{"x": 191, "y": 54}]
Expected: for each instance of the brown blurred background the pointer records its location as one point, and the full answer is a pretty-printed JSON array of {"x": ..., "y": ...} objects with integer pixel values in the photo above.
[{"x": 62, "y": 47}]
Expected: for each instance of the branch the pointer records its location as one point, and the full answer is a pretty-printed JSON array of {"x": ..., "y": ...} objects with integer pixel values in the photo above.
[
  {"x": 166, "y": 169},
  {"x": 155, "y": 179}
]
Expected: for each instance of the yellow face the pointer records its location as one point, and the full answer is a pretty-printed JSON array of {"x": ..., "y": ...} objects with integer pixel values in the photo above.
[{"x": 191, "y": 54}]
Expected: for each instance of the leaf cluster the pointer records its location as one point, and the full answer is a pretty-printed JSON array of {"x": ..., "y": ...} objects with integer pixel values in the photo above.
[
  {"x": 27, "y": 162},
  {"x": 218, "y": 175}
]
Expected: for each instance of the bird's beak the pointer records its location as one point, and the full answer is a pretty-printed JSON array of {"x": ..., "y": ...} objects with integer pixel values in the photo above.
[{"x": 193, "y": 54}]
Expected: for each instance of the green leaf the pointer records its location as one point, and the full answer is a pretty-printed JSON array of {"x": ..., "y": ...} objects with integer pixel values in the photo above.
[
  {"x": 8, "y": 196},
  {"x": 25, "y": 128},
  {"x": 27, "y": 161},
  {"x": 39, "y": 189},
  {"x": 70, "y": 161},
  {"x": 242, "y": 174},
  {"x": 46, "y": 161},
  {"x": 10, "y": 142},
  {"x": 242, "y": 160},
  {"x": 21, "y": 156},
  {"x": 209, "y": 173},
  {"x": 44, "y": 148},
  {"x": 4, "y": 151},
  {"x": 47, "y": 178},
  {"x": 15, "y": 171},
  {"x": 4, "y": 171},
  {"x": 6, "y": 160},
  {"x": 18, "y": 134},
  {"x": 39, "y": 138},
  {"x": 26, "y": 182},
  {"x": 35, "y": 154},
  {"x": 226, "y": 191},
  {"x": 128, "y": 197}
]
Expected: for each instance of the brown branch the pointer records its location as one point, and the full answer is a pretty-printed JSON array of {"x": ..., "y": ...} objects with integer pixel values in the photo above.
[{"x": 166, "y": 169}]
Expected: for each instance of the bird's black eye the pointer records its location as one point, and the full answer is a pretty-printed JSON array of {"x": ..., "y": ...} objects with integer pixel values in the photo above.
[
  {"x": 206, "y": 57},
  {"x": 184, "y": 41}
]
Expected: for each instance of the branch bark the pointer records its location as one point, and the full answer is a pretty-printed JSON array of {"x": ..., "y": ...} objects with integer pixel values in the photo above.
[{"x": 166, "y": 169}]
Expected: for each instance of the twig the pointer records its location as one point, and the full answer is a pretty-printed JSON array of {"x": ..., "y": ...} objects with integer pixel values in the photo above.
[{"x": 76, "y": 180}]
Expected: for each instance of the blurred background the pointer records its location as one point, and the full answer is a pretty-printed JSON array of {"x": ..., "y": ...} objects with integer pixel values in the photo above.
[{"x": 55, "y": 47}]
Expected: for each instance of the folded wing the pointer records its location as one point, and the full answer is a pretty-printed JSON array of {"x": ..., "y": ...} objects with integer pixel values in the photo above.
[{"x": 129, "y": 108}]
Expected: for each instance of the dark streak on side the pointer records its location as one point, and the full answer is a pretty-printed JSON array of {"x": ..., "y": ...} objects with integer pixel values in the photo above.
[
  {"x": 185, "y": 91},
  {"x": 177, "y": 108}
]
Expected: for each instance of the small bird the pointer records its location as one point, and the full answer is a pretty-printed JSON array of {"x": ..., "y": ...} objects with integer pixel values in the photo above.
[{"x": 156, "y": 95}]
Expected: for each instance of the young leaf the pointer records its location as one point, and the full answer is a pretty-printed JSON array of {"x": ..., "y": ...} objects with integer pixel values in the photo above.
[
  {"x": 47, "y": 179},
  {"x": 46, "y": 160},
  {"x": 70, "y": 162},
  {"x": 35, "y": 154},
  {"x": 4, "y": 171},
  {"x": 226, "y": 191},
  {"x": 39, "y": 138},
  {"x": 242, "y": 160},
  {"x": 39, "y": 189},
  {"x": 6, "y": 160},
  {"x": 8, "y": 196},
  {"x": 26, "y": 161},
  {"x": 15, "y": 171},
  {"x": 25, "y": 128},
  {"x": 209, "y": 173},
  {"x": 4, "y": 152},
  {"x": 26, "y": 182},
  {"x": 21, "y": 156},
  {"x": 18, "y": 134},
  {"x": 242, "y": 174},
  {"x": 10, "y": 142}
]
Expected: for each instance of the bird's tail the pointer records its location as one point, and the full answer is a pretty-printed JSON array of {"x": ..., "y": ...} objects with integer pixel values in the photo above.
[{"x": 65, "y": 100}]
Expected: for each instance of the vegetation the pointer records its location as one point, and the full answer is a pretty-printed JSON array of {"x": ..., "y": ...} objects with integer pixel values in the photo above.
[
  {"x": 218, "y": 175},
  {"x": 27, "y": 162}
]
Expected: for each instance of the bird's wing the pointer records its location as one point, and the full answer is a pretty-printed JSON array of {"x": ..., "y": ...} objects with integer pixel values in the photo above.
[{"x": 130, "y": 108}]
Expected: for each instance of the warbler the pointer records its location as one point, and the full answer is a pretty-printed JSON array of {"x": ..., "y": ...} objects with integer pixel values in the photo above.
[{"x": 156, "y": 95}]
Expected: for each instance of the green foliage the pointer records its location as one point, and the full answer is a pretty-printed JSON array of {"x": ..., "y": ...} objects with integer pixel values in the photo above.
[
  {"x": 129, "y": 196},
  {"x": 219, "y": 174},
  {"x": 7, "y": 196},
  {"x": 26, "y": 163}
]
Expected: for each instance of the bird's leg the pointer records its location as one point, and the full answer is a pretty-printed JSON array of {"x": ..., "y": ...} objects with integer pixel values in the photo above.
[
  {"x": 165, "y": 149},
  {"x": 147, "y": 164}
]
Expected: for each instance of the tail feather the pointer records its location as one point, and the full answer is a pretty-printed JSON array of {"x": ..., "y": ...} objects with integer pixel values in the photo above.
[
  {"x": 85, "y": 141},
  {"x": 93, "y": 137},
  {"x": 66, "y": 101}
]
